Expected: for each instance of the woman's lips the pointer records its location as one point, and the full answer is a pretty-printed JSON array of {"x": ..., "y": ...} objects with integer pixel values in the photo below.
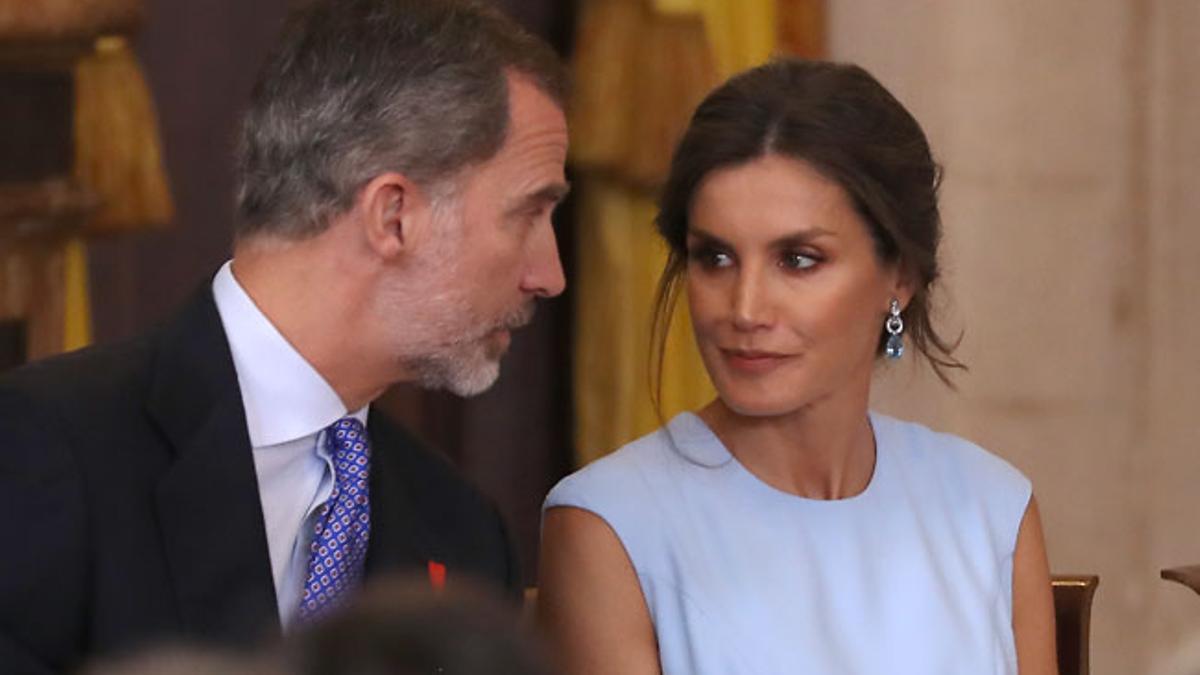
[{"x": 753, "y": 361}]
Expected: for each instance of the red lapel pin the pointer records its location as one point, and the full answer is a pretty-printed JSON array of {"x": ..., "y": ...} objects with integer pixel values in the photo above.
[{"x": 437, "y": 575}]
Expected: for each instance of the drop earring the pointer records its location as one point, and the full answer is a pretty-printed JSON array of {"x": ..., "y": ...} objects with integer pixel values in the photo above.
[{"x": 895, "y": 328}]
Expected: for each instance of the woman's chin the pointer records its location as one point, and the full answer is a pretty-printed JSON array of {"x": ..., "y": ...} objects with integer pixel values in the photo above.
[{"x": 749, "y": 404}]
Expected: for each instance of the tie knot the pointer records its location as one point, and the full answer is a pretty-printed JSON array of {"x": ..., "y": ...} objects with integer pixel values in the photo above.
[
  {"x": 346, "y": 426},
  {"x": 347, "y": 437}
]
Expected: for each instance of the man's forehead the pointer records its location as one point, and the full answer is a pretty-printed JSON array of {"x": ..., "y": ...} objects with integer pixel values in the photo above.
[
  {"x": 534, "y": 152},
  {"x": 532, "y": 110},
  {"x": 530, "y": 163},
  {"x": 519, "y": 81}
]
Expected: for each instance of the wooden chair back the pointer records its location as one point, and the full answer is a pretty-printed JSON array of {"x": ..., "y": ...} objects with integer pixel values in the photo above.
[{"x": 1073, "y": 595}]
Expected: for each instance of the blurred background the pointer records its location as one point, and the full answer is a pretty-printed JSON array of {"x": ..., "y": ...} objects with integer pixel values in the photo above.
[{"x": 1070, "y": 136}]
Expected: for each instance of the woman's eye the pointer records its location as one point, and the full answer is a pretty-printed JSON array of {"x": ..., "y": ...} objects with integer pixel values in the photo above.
[
  {"x": 711, "y": 258},
  {"x": 798, "y": 261}
]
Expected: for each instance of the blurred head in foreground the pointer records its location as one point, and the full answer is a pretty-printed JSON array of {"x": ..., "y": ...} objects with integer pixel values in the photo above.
[{"x": 402, "y": 627}]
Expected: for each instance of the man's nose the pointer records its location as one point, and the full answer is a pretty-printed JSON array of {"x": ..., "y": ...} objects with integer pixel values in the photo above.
[{"x": 545, "y": 277}]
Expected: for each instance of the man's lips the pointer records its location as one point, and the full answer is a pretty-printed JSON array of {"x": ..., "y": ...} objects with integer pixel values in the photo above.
[{"x": 498, "y": 342}]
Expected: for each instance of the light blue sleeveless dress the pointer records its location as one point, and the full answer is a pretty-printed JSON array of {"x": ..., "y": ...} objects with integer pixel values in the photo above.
[{"x": 913, "y": 575}]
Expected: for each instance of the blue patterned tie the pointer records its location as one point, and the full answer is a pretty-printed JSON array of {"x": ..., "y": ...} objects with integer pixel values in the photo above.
[{"x": 339, "y": 544}]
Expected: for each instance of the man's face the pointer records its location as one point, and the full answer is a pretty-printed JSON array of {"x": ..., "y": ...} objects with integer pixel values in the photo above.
[{"x": 496, "y": 251}]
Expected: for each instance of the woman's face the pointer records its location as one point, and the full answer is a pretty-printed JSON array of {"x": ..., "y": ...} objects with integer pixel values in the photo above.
[{"x": 787, "y": 295}]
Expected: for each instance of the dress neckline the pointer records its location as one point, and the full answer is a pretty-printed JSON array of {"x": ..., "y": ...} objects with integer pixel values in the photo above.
[{"x": 698, "y": 444}]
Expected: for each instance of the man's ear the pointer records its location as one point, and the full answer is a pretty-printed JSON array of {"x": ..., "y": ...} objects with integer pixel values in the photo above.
[{"x": 393, "y": 209}]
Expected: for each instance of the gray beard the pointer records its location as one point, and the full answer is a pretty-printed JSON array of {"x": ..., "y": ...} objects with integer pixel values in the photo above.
[
  {"x": 466, "y": 368},
  {"x": 457, "y": 372}
]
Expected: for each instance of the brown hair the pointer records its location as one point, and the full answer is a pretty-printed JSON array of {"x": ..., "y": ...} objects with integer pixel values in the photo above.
[
  {"x": 841, "y": 121},
  {"x": 356, "y": 88}
]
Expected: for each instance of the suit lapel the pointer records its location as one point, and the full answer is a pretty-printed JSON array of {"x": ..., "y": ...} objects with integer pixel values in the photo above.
[
  {"x": 399, "y": 541},
  {"x": 208, "y": 503}
]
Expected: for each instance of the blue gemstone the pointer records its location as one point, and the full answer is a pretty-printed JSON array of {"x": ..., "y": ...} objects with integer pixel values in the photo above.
[{"x": 895, "y": 347}]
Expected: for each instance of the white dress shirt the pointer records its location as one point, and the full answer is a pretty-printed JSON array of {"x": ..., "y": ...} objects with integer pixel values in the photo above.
[{"x": 288, "y": 406}]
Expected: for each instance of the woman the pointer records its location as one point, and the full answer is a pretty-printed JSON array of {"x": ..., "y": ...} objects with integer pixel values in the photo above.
[{"x": 784, "y": 528}]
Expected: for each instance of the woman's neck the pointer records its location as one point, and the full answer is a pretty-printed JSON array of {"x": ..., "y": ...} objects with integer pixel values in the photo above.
[{"x": 825, "y": 450}]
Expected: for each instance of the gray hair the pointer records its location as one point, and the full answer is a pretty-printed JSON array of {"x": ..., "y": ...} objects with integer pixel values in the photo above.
[{"x": 357, "y": 88}]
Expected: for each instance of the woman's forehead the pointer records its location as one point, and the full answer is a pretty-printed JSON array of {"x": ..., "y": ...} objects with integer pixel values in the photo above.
[{"x": 772, "y": 198}]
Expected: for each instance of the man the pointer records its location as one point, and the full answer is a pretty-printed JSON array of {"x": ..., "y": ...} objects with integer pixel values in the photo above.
[{"x": 225, "y": 477}]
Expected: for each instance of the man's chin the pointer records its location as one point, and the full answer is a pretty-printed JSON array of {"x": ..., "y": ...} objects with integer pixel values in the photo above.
[
  {"x": 475, "y": 381},
  {"x": 464, "y": 372}
]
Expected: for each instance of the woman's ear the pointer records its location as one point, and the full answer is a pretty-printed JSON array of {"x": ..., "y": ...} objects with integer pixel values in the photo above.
[{"x": 903, "y": 284}]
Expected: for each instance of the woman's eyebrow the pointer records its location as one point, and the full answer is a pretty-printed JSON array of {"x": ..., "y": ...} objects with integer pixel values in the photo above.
[
  {"x": 706, "y": 237},
  {"x": 801, "y": 236}
]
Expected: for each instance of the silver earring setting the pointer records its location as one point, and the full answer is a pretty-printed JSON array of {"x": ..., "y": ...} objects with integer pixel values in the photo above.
[{"x": 894, "y": 325}]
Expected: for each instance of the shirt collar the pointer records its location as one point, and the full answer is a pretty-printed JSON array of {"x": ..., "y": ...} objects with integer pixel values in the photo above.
[{"x": 284, "y": 397}]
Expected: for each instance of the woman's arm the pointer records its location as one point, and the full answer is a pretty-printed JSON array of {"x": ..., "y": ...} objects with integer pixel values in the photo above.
[
  {"x": 590, "y": 605},
  {"x": 1033, "y": 599}
]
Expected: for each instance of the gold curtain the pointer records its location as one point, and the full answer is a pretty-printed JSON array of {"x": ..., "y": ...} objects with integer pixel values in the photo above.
[
  {"x": 118, "y": 158},
  {"x": 641, "y": 68},
  {"x": 117, "y": 182}
]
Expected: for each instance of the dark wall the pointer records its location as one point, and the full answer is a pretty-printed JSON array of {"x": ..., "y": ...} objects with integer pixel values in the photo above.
[{"x": 200, "y": 60}]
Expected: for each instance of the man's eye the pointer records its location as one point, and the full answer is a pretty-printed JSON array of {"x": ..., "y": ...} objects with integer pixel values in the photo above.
[{"x": 798, "y": 261}]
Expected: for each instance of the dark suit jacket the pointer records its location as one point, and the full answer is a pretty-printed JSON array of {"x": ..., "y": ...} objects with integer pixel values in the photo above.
[{"x": 129, "y": 505}]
